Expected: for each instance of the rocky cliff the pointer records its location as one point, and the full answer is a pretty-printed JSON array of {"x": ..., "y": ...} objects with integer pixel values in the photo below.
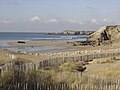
[{"x": 106, "y": 35}]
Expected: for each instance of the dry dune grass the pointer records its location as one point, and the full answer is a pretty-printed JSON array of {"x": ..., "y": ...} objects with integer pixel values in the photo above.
[
  {"x": 105, "y": 60},
  {"x": 107, "y": 67},
  {"x": 4, "y": 59},
  {"x": 107, "y": 73},
  {"x": 112, "y": 71},
  {"x": 100, "y": 71}
]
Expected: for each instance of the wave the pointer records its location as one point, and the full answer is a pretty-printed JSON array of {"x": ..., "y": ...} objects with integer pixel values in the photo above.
[
  {"x": 60, "y": 38},
  {"x": 71, "y": 37},
  {"x": 45, "y": 38}
]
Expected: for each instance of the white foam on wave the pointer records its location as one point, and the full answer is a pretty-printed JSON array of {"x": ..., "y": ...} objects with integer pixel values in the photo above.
[{"x": 45, "y": 38}]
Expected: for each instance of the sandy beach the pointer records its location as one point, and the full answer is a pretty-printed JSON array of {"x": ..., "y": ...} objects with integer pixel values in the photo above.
[
  {"x": 41, "y": 43},
  {"x": 59, "y": 45},
  {"x": 69, "y": 50},
  {"x": 70, "y": 53},
  {"x": 65, "y": 44}
]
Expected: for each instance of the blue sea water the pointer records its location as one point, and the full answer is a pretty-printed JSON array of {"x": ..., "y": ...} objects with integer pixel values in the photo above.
[
  {"x": 15, "y": 36},
  {"x": 38, "y": 36}
]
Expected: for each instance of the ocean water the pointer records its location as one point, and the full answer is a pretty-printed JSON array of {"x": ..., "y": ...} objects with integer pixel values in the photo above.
[
  {"x": 15, "y": 36},
  {"x": 38, "y": 36}
]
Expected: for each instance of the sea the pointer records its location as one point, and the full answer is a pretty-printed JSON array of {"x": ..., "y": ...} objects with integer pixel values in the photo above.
[{"x": 25, "y": 36}]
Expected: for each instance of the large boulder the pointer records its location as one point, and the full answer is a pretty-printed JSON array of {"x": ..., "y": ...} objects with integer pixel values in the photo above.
[{"x": 106, "y": 35}]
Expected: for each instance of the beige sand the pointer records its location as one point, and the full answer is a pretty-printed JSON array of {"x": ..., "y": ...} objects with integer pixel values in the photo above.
[
  {"x": 77, "y": 50},
  {"x": 41, "y": 43}
]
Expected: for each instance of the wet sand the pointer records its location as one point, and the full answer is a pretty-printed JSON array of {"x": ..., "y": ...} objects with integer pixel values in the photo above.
[
  {"x": 65, "y": 46},
  {"x": 41, "y": 43}
]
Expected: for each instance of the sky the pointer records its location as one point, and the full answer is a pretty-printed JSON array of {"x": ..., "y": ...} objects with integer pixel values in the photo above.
[{"x": 57, "y": 15}]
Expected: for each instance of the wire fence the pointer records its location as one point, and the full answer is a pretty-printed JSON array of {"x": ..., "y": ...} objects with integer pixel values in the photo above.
[
  {"x": 90, "y": 82},
  {"x": 85, "y": 83},
  {"x": 52, "y": 62}
]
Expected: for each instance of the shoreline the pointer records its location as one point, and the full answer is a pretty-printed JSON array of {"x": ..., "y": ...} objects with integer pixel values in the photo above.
[
  {"x": 42, "y": 46},
  {"x": 63, "y": 44},
  {"x": 39, "y": 43},
  {"x": 68, "y": 51}
]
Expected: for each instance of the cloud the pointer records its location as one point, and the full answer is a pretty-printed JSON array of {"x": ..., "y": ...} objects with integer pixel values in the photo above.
[
  {"x": 93, "y": 20},
  {"x": 53, "y": 21},
  {"x": 106, "y": 20},
  {"x": 7, "y": 21},
  {"x": 84, "y": 21},
  {"x": 35, "y": 18},
  {"x": 77, "y": 21}
]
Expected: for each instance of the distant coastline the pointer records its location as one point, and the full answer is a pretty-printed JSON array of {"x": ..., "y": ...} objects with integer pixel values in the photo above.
[{"x": 70, "y": 32}]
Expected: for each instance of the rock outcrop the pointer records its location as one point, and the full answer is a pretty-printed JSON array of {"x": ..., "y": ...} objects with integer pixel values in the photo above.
[
  {"x": 106, "y": 35},
  {"x": 72, "y": 32}
]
